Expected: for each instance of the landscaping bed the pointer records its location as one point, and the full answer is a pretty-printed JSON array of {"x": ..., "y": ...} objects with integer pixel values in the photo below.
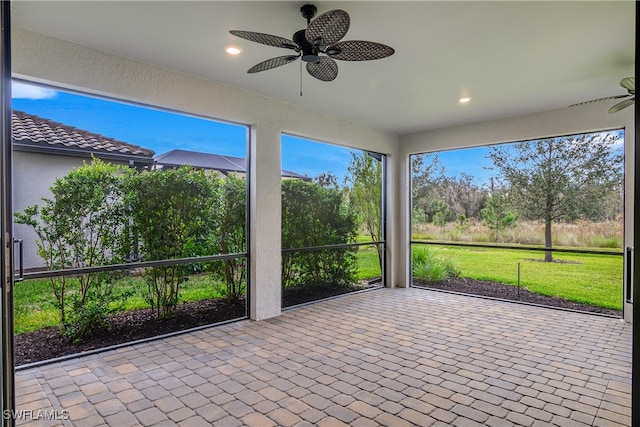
[
  {"x": 49, "y": 343},
  {"x": 508, "y": 292}
]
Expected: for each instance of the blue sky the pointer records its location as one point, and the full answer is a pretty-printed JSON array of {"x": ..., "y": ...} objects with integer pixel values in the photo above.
[
  {"x": 163, "y": 131},
  {"x": 475, "y": 161},
  {"x": 470, "y": 161},
  {"x": 158, "y": 130}
]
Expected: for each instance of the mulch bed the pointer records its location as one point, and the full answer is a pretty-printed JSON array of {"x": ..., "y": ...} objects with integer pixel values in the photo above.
[
  {"x": 507, "y": 292},
  {"x": 49, "y": 343}
]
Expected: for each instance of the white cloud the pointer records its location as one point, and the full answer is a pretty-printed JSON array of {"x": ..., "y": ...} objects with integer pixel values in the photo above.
[{"x": 25, "y": 91}]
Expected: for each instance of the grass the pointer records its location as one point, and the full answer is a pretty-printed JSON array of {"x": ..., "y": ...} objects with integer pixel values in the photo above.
[
  {"x": 591, "y": 279},
  {"x": 584, "y": 278},
  {"x": 35, "y": 309},
  {"x": 368, "y": 264}
]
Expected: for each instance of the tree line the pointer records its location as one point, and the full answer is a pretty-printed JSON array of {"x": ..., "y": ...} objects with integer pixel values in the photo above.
[{"x": 557, "y": 179}]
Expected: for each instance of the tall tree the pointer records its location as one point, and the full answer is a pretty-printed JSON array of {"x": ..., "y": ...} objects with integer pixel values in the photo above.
[
  {"x": 427, "y": 175},
  {"x": 365, "y": 179},
  {"x": 496, "y": 215},
  {"x": 555, "y": 178},
  {"x": 463, "y": 195}
]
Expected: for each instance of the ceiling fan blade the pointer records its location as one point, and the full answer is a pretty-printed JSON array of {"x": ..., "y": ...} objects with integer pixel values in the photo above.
[
  {"x": 598, "y": 100},
  {"x": 324, "y": 69},
  {"x": 621, "y": 105},
  {"x": 272, "y": 63},
  {"x": 358, "y": 50},
  {"x": 267, "y": 39},
  {"x": 328, "y": 28},
  {"x": 629, "y": 83}
]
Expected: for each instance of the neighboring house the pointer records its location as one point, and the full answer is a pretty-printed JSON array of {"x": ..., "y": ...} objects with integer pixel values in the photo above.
[
  {"x": 44, "y": 150},
  {"x": 220, "y": 163}
]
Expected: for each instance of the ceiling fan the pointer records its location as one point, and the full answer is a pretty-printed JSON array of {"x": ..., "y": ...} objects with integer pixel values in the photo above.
[
  {"x": 629, "y": 83},
  {"x": 318, "y": 45}
]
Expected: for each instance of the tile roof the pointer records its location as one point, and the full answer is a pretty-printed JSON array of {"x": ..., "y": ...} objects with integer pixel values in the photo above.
[
  {"x": 211, "y": 161},
  {"x": 28, "y": 129}
]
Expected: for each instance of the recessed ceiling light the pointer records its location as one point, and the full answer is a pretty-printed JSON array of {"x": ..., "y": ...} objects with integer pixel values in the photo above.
[
  {"x": 464, "y": 99},
  {"x": 233, "y": 50}
]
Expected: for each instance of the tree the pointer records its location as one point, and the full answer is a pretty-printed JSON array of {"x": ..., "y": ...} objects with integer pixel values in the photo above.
[
  {"x": 496, "y": 215},
  {"x": 441, "y": 214},
  {"x": 427, "y": 174},
  {"x": 80, "y": 226},
  {"x": 365, "y": 195},
  {"x": 554, "y": 178},
  {"x": 327, "y": 179},
  {"x": 463, "y": 195},
  {"x": 170, "y": 209},
  {"x": 228, "y": 213},
  {"x": 316, "y": 216}
]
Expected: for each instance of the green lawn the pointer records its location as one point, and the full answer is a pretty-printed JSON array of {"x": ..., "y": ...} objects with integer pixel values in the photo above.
[
  {"x": 368, "y": 264},
  {"x": 34, "y": 302},
  {"x": 591, "y": 279},
  {"x": 35, "y": 309}
]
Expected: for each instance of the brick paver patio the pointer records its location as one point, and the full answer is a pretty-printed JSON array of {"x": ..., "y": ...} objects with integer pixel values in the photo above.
[{"x": 386, "y": 357}]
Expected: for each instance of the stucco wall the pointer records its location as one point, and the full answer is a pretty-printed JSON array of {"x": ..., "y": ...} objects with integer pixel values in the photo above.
[
  {"x": 44, "y": 59},
  {"x": 33, "y": 174},
  {"x": 565, "y": 121}
]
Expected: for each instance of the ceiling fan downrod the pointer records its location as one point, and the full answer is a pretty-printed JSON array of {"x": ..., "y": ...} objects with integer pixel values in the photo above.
[
  {"x": 309, "y": 51},
  {"x": 308, "y": 11}
]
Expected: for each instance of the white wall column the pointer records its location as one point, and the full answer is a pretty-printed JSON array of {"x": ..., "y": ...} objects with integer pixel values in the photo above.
[
  {"x": 402, "y": 222},
  {"x": 265, "y": 230}
]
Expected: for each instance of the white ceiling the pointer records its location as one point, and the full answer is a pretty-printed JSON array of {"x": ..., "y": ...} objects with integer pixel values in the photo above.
[{"x": 511, "y": 57}]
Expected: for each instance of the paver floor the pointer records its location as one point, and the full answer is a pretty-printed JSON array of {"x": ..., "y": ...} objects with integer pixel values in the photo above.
[{"x": 391, "y": 357}]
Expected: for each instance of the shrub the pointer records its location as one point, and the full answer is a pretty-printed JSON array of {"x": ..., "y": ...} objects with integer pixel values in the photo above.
[
  {"x": 228, "y": 212},
  {"x": 170, "y": 209},
  {"x": 313, "y": 215},
  {"x": 428, "y": 267},
  {"x": 81, "y": 225}
]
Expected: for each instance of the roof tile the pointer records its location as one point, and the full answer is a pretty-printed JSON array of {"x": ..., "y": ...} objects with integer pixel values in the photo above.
[{"x": 30, "y": 129}]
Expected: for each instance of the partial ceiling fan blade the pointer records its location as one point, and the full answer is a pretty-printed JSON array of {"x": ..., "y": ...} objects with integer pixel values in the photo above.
[
  {"x": 328, "y": 28},
  {"x": 272, "y": 63},
  {"x": 621, "y": 105},
  {"x": 324, "y": 69},
  {"x": 359, "y": 50},
  {"x": 267, "y": 39},
  {"x": 598, "y": 100},
  {"x": 629, "y": 83}
]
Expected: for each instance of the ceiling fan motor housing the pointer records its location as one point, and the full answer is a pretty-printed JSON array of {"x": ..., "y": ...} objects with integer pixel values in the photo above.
[{"x": 309, "y": 51}]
